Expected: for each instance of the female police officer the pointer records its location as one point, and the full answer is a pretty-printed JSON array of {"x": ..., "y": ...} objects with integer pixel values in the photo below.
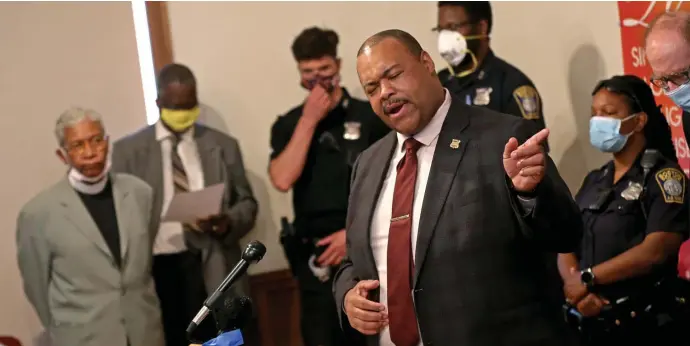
[{"x": 635, "y": 213}]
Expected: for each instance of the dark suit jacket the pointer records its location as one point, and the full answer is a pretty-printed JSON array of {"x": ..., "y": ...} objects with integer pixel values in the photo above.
[
  {"x": 139, "y": 154},
  {"x": 481, "y": 277}
]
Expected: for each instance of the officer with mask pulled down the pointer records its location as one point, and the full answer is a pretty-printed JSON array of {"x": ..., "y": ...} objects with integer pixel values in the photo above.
[
  {"x": 474, "y": 73},
  {"x": 314, "y": 146}
]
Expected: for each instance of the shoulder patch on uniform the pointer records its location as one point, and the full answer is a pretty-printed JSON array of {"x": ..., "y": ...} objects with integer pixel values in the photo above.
[
  {"x": 527, "y": 99},
  {"x": 672, "y": 184}
]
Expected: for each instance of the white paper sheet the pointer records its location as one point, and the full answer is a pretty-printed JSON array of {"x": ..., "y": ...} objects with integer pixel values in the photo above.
[{"x": 188, "y": 207}]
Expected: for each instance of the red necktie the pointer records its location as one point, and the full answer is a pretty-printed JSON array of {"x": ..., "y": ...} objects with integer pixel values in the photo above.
[{"x": 403, "y": 322}]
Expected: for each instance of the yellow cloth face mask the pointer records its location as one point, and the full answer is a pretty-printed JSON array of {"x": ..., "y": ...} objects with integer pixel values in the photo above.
[{"x": 180, "y": 119}]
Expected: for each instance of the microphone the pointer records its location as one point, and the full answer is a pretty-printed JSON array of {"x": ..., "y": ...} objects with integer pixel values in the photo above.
[
  {"x": 649, "y": 160},
  {"x": 235, "y": 313},
  {"x": 253, "y": 253}
]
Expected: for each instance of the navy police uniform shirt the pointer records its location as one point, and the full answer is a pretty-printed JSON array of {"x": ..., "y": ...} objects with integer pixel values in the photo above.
[
  {"x": 614, "y": 216},
  {"x": 320, "y": 194},
  {"x": 499, "y": 86}
]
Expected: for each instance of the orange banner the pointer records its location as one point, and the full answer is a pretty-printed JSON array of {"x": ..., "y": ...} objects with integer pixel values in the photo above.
[{"x": 635, "y": 17}]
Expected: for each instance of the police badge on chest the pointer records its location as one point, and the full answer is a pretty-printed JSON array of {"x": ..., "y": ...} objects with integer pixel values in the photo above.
[
  {"x": 632, "y": 192},
  {"x": 482, "y": 96},
  {"x": 352, "y": 130}
]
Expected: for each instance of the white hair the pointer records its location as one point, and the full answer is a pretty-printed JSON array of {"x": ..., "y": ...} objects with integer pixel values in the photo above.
[{"x": 72, "y": 117}]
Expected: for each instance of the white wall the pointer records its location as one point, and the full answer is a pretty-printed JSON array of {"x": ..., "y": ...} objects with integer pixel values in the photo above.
[
  {"x": 53, "y": 56},
  {"x": 240, "y": 52},
  {"x": 565, "y": 48}
]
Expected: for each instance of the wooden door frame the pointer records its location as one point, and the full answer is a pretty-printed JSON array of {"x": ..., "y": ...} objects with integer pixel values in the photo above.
[
  {"x": 275, "y": 294},
  {"x": 159, "y": 34}
]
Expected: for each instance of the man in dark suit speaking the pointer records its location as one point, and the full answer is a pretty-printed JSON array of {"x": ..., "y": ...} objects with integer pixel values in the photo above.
[{"x": 450, "y": 216}]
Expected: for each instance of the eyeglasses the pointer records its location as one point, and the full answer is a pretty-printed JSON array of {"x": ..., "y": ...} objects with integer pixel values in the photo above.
[
  {"x": 451, "y": 27},
  {"x": 93, "y": 143},
  {"x": 677, "y": 78}
]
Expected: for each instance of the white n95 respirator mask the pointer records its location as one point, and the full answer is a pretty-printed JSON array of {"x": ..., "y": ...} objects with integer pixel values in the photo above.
[{"x": 452, "y": 46}]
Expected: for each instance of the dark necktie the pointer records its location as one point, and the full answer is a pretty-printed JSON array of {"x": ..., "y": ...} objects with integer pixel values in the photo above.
[
  {"x": 403, "y": 322},
  {"x": 180, "y": 180},
  {"x": 179, "y": 175}
]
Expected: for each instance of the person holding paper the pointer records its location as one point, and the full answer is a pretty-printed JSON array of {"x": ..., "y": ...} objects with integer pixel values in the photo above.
[
  {"x": 83, "y": 247},
  {"x": 177, "y": 155}
]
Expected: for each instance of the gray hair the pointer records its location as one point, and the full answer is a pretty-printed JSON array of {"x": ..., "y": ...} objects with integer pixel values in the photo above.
[{"x": 72, "y": 117}]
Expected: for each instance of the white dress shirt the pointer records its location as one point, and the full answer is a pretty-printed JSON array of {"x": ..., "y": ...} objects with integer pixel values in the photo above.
[
  {"x": 381, "y": 219},
  {"x": 170, "y": 237}
]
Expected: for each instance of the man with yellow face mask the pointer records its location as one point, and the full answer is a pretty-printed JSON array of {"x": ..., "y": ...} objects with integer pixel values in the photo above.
[
  {"x": 474, "y": 73},
  {"x": 178, "y": 155}
]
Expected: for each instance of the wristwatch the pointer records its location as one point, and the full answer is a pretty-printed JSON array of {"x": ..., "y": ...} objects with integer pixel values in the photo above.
[{"x": 587, "y": 278}]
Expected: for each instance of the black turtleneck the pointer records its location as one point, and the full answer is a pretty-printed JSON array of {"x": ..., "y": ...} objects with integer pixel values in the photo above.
[{"x": 101, "y": 207}]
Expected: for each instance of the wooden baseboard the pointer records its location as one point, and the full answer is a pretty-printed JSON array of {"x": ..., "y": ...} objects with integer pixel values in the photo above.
[{"x": 276, "y": 299}]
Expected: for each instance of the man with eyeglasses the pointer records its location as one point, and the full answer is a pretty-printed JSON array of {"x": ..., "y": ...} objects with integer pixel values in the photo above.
[
  {"x": 667, "y": 46},
  {"x": 474, "y": 73},
  {"x": 84, "y": 248}
]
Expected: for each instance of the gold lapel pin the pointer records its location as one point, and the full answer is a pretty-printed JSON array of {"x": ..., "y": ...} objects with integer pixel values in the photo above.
[{"x": 455, "y": 143}]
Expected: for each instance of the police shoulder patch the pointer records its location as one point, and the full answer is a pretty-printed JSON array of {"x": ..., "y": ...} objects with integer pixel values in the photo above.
[
  {"x": 527, "y": 99},
  {"x": 672, "y": 184}
]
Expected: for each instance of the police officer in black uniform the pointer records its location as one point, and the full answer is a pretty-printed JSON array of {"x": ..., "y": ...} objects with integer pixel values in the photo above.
[
  {"x": 474, "y": 73},
  {"x": 635, "y": 212},
  {"x": 314, "y": 147}
]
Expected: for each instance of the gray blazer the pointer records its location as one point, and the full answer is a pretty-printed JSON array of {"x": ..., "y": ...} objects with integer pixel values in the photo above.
[
  {"x": 140, "y": 154},
  {"x": 483, "y": 273},
  {"x": 80, "y": 295}
]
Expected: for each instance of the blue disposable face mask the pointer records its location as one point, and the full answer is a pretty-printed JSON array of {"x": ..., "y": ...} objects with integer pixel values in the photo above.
[
  {"x": 604, "y": 133},
  {"x": 681, "y": 97}
]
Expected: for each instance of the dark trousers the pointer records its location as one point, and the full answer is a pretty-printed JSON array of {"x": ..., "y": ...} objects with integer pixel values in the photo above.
[
  {"x": 319, "y": 324},
  {"x": 181, "y": 291}
]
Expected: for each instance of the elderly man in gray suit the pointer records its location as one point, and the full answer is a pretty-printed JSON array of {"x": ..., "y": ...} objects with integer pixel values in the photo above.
[
  {"x": 177, "y": 155},
  {"x": 84, "y": 247}
]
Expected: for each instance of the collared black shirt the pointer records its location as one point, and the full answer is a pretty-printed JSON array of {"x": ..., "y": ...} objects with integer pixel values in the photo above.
[
  {"x": 499, "y": 86},
  {"x": 320, "y": 195},
  {"x": 614, "y": 216}
]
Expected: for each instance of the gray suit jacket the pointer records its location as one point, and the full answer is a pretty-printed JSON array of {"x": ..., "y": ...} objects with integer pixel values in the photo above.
[
  {"x": 481, "y": 273},
  {"x": 140, "y": 154},
  {"x": 70, "y": 277}
]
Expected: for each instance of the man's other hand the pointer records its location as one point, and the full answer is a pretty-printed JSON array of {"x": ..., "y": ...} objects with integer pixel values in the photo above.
[{"x": 366, "y": 316}]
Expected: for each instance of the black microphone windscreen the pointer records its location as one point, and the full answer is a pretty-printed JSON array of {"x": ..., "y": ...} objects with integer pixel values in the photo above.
[
  {"x": 254, "y": 251},
  {"x": 235, "y": 313},
  {"x": 649, "y": 158}
]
